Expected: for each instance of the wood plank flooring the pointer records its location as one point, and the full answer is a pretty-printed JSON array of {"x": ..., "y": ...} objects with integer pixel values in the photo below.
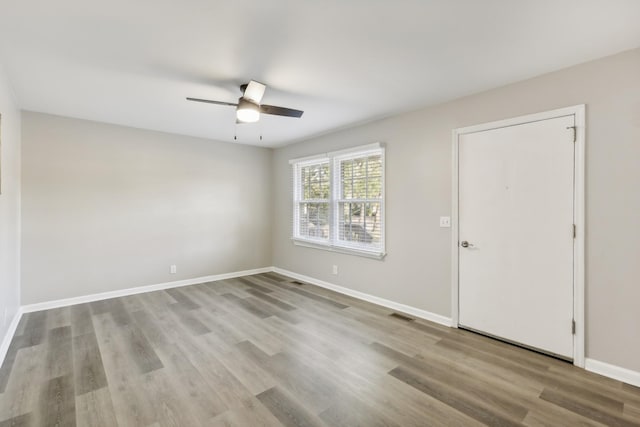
[{"x": 266, "y": 350}]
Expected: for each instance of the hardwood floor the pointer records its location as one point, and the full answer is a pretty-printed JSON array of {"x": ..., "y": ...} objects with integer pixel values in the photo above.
[{"x": 266, "y": 350}]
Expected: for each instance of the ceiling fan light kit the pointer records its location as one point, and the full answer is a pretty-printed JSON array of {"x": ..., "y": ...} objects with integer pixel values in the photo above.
[
  {"x": 248, "y": 108},
  {"x": 247, "y": 111}
]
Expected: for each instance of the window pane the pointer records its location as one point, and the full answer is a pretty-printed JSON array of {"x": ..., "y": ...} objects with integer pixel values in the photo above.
[
  {"x": 314, "y": 220},
  {"x": 359, "y": 222},
  {"x": 374, "y": 188},
  {"x": 373, "y": 220},
  {"x": 314, "y": 180},
  {"x": 359, "y": 188},
  {"x": 346, "y": 170},
  {"x": 374, "y": 166},
  {"x": 351, "y": 224},
  {"x": 361, "y": 178},
  {"x": 347, "y": 189},
  {"x": 315, "y": 189},
  {"x": 359, "y": 167},
  {"x": 304, "y": 188},
  {"x": 324, "y": 172}
]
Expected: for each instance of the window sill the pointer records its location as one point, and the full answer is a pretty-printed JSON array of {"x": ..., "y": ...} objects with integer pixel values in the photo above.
[{"x": 338, "y": 249}]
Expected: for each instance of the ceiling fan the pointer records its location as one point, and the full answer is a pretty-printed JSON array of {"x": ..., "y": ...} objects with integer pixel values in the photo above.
[{"x": 248, "y": 108}]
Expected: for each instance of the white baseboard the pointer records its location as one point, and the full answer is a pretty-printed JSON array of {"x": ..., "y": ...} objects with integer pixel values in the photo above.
[
  {"x": 47, "y": 305},
  {"x": 6, "y": 341},
  {"x": 612, "y": 371},
  {"x": 423, "y": 314}
]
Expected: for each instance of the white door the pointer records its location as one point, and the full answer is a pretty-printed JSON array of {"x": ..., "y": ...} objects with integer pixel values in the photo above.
[{"x": 516, "y": 195}]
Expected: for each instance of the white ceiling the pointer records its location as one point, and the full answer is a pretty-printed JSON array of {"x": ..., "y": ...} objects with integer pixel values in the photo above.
[{"x": 342, "y": 61}]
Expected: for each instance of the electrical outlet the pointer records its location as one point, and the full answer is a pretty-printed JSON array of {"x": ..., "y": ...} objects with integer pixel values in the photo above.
[
  {"x": 173, "y": 269},
  {"x": 445, "y": 221},
  {"x": 334, "y": 270}
]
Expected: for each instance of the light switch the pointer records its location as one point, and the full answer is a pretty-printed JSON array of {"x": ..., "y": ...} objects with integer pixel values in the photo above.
[{"x": 445, "y": 221}]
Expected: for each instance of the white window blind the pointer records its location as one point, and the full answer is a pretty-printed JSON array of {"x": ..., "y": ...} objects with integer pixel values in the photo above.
[
  {"x": 338, "y": 201},
  {"x": 312, "y": 200}
]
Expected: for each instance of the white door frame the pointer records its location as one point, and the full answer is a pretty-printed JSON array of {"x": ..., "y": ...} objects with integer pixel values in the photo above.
[{"x": 579, "y": 209}]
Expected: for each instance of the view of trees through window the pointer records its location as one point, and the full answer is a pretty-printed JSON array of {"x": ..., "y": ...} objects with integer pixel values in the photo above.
[
  {"x": 359, "y": 199},
  {"x": 314, "y": 204}
]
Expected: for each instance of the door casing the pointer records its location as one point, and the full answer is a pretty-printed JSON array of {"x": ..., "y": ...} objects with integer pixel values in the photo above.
[{"x": 579, "y": 215}]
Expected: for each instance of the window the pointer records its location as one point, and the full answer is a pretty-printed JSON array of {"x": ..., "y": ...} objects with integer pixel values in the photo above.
[
  {"x": 313, "y": 201},
  {"x": 338, "y": 201}
]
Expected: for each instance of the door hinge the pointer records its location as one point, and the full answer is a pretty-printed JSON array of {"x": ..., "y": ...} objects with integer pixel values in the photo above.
[
  {"x": 575, "y": 132},
  {"x": 575, "y": 232},
  {"x": 573, "y": 327}
]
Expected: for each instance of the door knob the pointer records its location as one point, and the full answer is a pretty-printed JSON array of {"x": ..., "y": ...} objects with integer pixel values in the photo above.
[{"x": 465, "y": 244}]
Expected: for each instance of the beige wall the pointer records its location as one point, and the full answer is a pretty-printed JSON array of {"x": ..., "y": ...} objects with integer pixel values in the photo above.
[
  {"x": 9, "y": 207},
  {"x": 108, "y": 207},
  {"x": 416, "y": 270}
]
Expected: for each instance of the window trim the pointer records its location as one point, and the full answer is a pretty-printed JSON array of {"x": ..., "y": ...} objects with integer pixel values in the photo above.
[{"x": 334, "y": 158}]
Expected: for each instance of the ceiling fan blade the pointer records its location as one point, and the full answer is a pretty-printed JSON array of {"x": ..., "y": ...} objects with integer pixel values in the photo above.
[
  {"x": 280, "y": 111},
  {"x": 254, "y": 91},
  {"x": 208, "y": 101}
]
